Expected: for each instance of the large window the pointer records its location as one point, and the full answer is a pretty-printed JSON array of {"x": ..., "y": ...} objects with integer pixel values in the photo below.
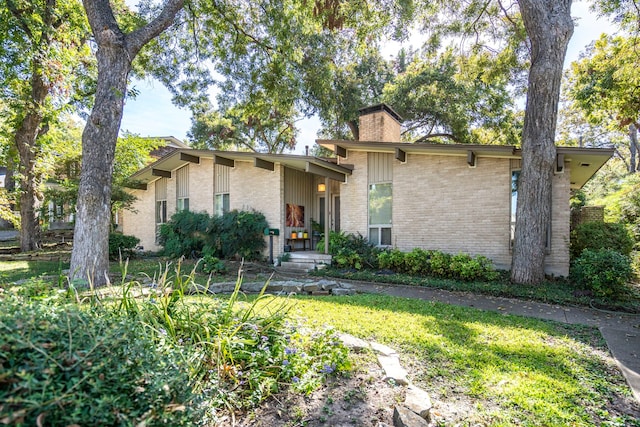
[
  {"x": 222, "y": 204},
  {"x": 380, "y": 206},
  {"x": 161, "y": 205},
  {"x": 515, "y": 178},
  {"x": 182, "y": 189},
  {"x": 221, "y": 179}
]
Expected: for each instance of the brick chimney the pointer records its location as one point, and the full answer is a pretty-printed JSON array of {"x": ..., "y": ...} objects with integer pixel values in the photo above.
[{"x": 379, "y": 123}]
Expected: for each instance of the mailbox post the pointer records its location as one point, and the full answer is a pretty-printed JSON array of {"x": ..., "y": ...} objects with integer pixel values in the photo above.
[{"x": 271, "y": 232}]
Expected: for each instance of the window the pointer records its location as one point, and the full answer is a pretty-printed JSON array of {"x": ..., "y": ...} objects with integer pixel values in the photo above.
[
  {"x": 515, "y": 177},
  {"x": 182, "y": 189},
  {"x": 222, "y": 204},
  {"x": 380, "y": 203},
  {"x": 161, "y": 205},
  {"x": 221, "y": 191}
]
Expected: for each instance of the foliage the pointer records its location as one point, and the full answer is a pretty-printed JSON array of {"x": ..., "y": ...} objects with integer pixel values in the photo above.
[
  {"x": 603, "y": 87},
  {"x": 45, "y": 69},
  {"x": 478, "y": 107},
  {"x": 122, "y": 246},
  {"x": 351, "y": 251},
  {"x": 185, "y": 234},
  {"x": 420, "y": 262},
  {"x": 600, "y": 235},
  {"x": 239, "y": 353},
  {"x": 65, "y": 365},
  {"x": 622, "y": 204},
  {"x": 238, "y": 234},
  {"x": 210, "y": 264},
  {"x": 234, "y": 234},
  {"x": 258, "y": 127},
  {"x": 606, "y": 272}
]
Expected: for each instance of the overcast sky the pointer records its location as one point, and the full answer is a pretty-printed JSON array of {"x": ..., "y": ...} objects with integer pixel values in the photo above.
[{"x": 153, "y": 114}]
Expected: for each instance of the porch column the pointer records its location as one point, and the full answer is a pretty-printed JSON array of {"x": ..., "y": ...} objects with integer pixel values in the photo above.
[{"x": 327, "y": 218}]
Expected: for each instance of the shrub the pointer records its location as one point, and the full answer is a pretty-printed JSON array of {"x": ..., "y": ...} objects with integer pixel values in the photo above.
[
  {"x": 392, "y": 259},
  {"x": 238, "y": 234},
  {"x": 121, "y": 245},
  {"x": 600, "y": 235},
  {"x": 439, "y": 264},
  {"x": 604, "y": 271},
  {"x": 417, "y": 262},
  {"x": 351, "y": 251},
  {"x": 66, "y": 366},
  {"x": 234, "y": 234},
  {"x": 185, "y": 234}
]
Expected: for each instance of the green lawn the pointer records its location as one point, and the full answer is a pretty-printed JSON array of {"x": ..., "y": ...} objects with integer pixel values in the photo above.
[
  {"x": 514, "y": 370},
  {"x": 510, "y": 370}
]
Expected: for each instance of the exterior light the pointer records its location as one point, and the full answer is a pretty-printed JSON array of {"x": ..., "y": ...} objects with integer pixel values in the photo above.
[{"x": 321, "y": 188}]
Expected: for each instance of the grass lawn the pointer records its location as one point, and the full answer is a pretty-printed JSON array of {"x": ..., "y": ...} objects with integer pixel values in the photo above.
[
  {"x": 500, "y": 370},
  {"x": 508, "y": 370}
]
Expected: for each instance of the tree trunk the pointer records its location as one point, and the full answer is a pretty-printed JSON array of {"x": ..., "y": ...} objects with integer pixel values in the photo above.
[
  {"x": 27, "y": 133},
  {"x": 633, "y": 147},
  {"x": 549, "y": 27},
  {"x": 116, "y": 51},
  {"x": 90, "y": 255}
]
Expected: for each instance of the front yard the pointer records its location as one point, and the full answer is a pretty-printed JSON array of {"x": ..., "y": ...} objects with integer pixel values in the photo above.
[{"x": 480, "y": 368}]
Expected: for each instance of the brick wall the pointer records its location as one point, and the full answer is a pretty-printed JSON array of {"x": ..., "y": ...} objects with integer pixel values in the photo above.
[
  {"x": 142, "y": 222},
  {"x": 379, "y": 126},
  {"x": 201, "y": 186},
  {"x": 262, "y": 190},
  {"x": 587, "y": 214},
  {"x": 440, "y": 203}
]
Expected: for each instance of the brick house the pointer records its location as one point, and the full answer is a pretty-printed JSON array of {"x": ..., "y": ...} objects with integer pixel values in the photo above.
[{"x": 449, "y": 197}]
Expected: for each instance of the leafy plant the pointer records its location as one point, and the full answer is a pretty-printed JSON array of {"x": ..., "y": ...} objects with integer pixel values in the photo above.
[
  {"x": 121, "y": 245},
  {"x": 65, "y": 365},
  {"x": 185, "y": 234},
  {"x": 604, "y": 271},
  {"x": 238, "y": 234},
  {"x": 351, "y": 251},
  {"x": 600, "y": 235},
  {"x": 234, "y": 234}
]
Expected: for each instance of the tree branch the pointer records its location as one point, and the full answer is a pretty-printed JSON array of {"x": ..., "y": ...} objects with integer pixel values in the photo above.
[{"x": 138, "y": 38}]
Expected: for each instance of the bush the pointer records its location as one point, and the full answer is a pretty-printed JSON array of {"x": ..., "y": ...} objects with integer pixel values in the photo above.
[
  {"x": 604, "y": 271},
  {"x": 351, "y": 251},
  {"x": 234, "y": 234},
  {"x": 185, "y": 234},
  {"x": 66, "y": 366},
  {"x": 600, "y": 235},
  {"x": 420, "y": 262},
  {"x": 238, "y": 234},
  {"x": 121, "y": 245}
]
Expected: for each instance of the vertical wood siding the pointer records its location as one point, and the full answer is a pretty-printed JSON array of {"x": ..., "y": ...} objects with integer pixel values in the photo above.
[
  {"x": 182, "y": 182},
  {"x": 221, "y": 179},
  {"x": 161, "y": 189},
  {"x": 298, "y": 189},
  {"x": 380, "y": 167}
]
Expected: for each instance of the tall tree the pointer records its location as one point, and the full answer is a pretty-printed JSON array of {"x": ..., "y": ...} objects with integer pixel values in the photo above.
[
  {"x": 115, "y": 52},
  {"x": 44, "y": 59},
  {"x": 454, "y": 98},
  {"x": 549, "y": 27},
  {"x": 261, "y": 40},
  {"x": 604, "y": 86}
]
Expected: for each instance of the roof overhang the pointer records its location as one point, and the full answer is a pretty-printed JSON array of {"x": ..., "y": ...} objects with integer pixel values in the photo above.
[
  {"x": 165, "y": 166},
  {"x": 583, "y": 162}
]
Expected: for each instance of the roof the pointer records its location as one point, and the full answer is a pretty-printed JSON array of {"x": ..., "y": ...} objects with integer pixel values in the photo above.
[
  {"x": 165, "y": 166},
  {"x": 583, "y": 162}
]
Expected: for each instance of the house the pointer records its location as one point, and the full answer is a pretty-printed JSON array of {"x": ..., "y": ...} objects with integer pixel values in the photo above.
[{"x": 449, "y": 197}]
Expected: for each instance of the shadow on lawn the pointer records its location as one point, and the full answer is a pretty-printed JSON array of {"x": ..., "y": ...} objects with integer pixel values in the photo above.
[{"x": 555, "y": 371}]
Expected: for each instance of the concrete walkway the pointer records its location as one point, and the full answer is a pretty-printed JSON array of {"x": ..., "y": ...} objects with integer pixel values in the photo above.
[{"x": 621, "y": 331}]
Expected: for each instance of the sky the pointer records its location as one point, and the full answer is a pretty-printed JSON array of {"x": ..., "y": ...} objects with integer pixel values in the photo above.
[{"x": 153, "y": 114}]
